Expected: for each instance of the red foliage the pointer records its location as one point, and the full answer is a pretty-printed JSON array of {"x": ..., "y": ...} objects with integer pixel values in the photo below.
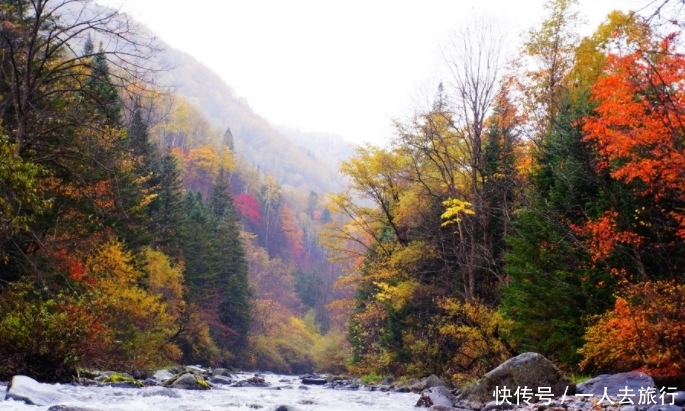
[
  {"x": 72, "y": 266},
  {"x": 248, "y": 206},
  {"x": 639, "y": 128}
]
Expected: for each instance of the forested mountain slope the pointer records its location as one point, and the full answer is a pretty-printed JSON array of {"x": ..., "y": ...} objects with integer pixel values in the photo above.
[{"x": 256, "y": 140}]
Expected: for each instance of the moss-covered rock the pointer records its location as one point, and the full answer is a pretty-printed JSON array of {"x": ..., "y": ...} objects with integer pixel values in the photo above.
[
  {"x": 118, "y": 379},
  {"x": 187, "y": 381}
]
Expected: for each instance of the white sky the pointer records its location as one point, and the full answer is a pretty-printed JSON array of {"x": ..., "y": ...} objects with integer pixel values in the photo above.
[{"x": 344, "y": 67}]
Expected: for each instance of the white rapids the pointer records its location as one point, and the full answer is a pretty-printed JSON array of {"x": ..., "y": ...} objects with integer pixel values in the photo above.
[{"x": 314, "y": 398}]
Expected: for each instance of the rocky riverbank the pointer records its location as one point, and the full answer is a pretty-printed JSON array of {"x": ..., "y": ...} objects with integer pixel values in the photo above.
[{"x": 528, "y": 382}]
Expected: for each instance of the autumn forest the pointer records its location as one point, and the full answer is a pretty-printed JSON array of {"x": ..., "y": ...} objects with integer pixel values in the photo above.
[{"x": 537, "y": 203}]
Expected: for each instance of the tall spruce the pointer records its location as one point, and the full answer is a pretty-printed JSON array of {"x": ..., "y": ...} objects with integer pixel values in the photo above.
[
  {"x": 167, "y": 207},
  {"x": 234, "y": 290}
]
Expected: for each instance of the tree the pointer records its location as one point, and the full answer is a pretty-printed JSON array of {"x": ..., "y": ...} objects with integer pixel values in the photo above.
[
  {"x": 229, "y": 141},
  {"x": 166, "y": 209},
  {"x": 235, "y": 293},
  {"x": 552, "y": 283},
  {"x": 551, "y": 47},
  {"x": 39, "y": 70}
]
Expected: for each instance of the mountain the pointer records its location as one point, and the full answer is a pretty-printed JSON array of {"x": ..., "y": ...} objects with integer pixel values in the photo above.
[{"x": 305, "y": 161}]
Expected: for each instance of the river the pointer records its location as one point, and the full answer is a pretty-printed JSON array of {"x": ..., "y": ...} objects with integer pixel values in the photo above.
[{"x": 313, "y": 398}]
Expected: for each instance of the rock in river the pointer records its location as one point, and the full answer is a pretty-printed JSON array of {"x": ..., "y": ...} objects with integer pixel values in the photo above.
[
  {"x": 529, "y": 370},
  {"x": 614, "y": 382},
  {"x": 30, "y": 391}
]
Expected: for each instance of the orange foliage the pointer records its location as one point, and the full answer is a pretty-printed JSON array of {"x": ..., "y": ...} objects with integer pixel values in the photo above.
[
  {"x": 293, "y": 233},
  {"x": 639, "y": 128},
  {"x": 645, "y": 330},
  {"x": 603, "y": 235}
]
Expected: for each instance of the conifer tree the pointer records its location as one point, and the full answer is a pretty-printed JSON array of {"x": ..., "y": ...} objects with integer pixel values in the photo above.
[
  {"x": 553, "y": 285},
  {"x": 235, "y": 294},
  {"x": 229, "y": 141},
  {"x": 101, "y": 91},
  {"x": 167, "y": 207}
]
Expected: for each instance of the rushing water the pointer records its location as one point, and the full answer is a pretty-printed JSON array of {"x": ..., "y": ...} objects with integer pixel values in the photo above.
[{"x": 314, "y": 398}]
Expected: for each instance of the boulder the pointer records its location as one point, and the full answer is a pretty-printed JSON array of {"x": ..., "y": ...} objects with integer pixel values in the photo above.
[
  {"x": 432, "y": 381},
  {"x": 220, "y": 379},
  {"x": 442, "y": 408},
  {"x": 150, "y": 382},
  {"x": 313, "y": 380},
  {"x": 221, "y": 371},
  {"x": 529, "y": 370},
  {"x": 417, "y": 385},
  {"x": 188, "y": 381},
  {"x": 439, "y": 395},
  {"x": 196, "y": 369},
  {"x": 162, "y": 375},
  {"x": 121, "y": 380},
  {"x": 30, "y": 391},
  {"x": 614, "y": 382},
  {"x": 679, "y": 398},
  {"x": 665, "y": 408}
]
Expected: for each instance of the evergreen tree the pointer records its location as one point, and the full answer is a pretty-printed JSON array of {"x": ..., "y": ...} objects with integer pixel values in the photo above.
[
  {"x": 553, "y": 284},
  {"x": 89, "y": 47},
  {"x": 101, "y": 91},
  {"x": 234, "y": 290},
  {"x": 167, "y": 208},
  {"x": 229, "y": 141},
  {"x": 201, "y": 259}
]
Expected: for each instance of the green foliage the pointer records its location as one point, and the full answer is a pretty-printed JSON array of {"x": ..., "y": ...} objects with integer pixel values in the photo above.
[
  {"x": 20, "y": 199},
  {"x": 47, "y": 336},
  {"x": 372, "y": 378},
  {"x": 553, "y": 285}
]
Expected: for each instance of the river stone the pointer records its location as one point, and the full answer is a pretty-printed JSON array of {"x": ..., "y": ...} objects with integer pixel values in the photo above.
[
  {"x": 196, "y": 370},
  {"x": 530, "y": 370},
  {"x": 439, "y": 395},
  {"x": 220, "y": 379},
  {"x": 665, "y": 408},
  {"x": 162, "y": 375},
  {"x": 432, "y": 381},
  {"x": 190, "y": 381},
  {"x": 221, "y": 371},
  {"x": 614, "y": 382},
  {"x": 679, "y": 398},
  {"x": 30, "y": 391}
]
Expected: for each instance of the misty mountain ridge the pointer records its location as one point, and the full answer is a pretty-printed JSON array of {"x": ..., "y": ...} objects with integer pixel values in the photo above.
[{"x": 303, "y": 160}]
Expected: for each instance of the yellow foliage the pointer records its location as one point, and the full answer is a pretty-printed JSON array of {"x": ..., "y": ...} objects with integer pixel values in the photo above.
[
  {"x": 289, "y": 344},
  {"x": 645, "y": 330},
  {"x": 455, "y": 207},
  {"x": 226, "y": 159},
  {"x": 396, "y": 296},
  {"x": 475, "y": 331},
  {"x": 162, "y": 277},
  {"x": 139, "y": 319},
  {"x": 205, "y": 160}
]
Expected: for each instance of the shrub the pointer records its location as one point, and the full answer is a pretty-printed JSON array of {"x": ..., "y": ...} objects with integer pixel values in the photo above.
[{"x": 645, "y": 330}]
